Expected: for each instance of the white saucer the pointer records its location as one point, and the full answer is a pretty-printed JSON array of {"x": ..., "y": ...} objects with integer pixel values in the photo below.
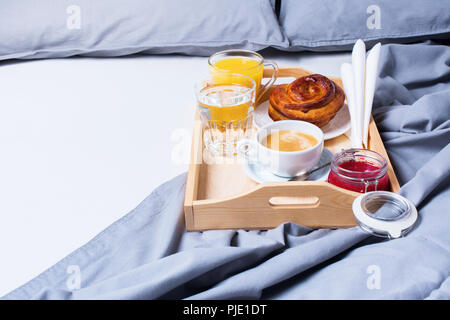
[
  {"x": 260, "y": 174},
  {"x": 337, "y": 126}
]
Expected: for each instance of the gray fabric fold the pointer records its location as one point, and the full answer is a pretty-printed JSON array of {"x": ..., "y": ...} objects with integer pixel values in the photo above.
[{"x": 148, "y": 254}]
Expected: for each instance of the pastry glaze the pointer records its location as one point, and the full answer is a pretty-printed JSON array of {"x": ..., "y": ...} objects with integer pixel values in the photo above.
[{"x": 313, "y": 98}]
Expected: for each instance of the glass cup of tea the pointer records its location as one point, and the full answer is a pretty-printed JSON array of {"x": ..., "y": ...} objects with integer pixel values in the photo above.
[
  {"x": 225, "y": 105},
  {"x": 244, "y": 62}
]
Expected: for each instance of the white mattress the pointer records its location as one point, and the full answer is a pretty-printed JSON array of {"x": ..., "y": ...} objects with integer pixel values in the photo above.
[{"x": 84, "y": 140}]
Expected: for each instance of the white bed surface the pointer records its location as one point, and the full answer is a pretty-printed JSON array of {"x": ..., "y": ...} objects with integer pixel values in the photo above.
[{"x": 85, "y": 140}]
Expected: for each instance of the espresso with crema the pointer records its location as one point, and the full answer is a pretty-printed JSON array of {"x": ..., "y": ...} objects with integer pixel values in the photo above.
[{"x": 289, "y": 140}]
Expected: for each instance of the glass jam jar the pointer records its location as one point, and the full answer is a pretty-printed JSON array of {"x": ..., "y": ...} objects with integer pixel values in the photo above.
[{"x": 359, "y": 170}]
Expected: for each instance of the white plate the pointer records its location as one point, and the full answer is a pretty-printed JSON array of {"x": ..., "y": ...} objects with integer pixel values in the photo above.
[
  {"x": 340, "y": 124},
  {"x": 260, "y": 174}
]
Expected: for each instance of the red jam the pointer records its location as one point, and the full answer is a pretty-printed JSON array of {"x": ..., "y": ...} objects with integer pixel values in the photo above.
[{"x": 358, "y": 170}]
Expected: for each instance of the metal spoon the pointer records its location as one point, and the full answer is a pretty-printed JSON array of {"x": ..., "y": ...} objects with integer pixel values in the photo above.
[{"x": 306, "y": 174}]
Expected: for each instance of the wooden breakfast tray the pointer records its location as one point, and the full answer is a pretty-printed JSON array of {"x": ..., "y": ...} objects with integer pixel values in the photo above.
[{"x": 219, "y": 195}]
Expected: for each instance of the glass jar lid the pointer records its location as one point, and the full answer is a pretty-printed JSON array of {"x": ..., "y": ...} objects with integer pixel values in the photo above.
[{"x": 384, "y": 214}]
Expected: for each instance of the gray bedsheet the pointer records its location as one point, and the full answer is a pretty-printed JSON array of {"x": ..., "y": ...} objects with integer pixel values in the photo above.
[{"x": 147, "y": 254}]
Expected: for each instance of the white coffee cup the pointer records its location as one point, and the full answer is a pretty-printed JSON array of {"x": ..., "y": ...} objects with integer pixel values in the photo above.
[{"x": 283, "y": 163}]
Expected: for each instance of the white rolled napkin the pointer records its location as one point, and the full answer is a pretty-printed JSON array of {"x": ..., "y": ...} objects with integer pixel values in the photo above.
[
  {"x": 359, "y": 74},
  {"x": 349, "y": 88},
  {"x": 371, "y": 78}
]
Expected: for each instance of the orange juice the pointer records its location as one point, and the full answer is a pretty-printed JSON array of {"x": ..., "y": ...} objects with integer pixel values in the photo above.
[
  {"x": 241, "y": 65},
  {"x": 225, "y": 105},
  {"x": 225, "y": 102}
]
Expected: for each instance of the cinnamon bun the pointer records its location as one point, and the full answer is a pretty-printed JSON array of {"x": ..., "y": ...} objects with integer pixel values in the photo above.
[{"x": 313, "y": 98}]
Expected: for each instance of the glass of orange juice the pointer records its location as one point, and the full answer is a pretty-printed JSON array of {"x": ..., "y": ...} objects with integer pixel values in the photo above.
[
  {"x": 225, "y": 103},
  {"x": 244, "y": 62}
]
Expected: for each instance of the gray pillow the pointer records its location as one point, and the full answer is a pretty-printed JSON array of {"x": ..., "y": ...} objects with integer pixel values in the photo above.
[
  {"x": 61, "y": 28},
  {"x": 323, "y": 25}
]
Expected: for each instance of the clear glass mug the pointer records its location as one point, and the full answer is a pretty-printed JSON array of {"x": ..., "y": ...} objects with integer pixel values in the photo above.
[
  {"x": 244, "y": 62},
  {"x": 225, "y": 104}
]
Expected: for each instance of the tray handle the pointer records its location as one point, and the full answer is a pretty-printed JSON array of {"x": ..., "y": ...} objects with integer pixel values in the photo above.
[{"x": 314, "y": 204}]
